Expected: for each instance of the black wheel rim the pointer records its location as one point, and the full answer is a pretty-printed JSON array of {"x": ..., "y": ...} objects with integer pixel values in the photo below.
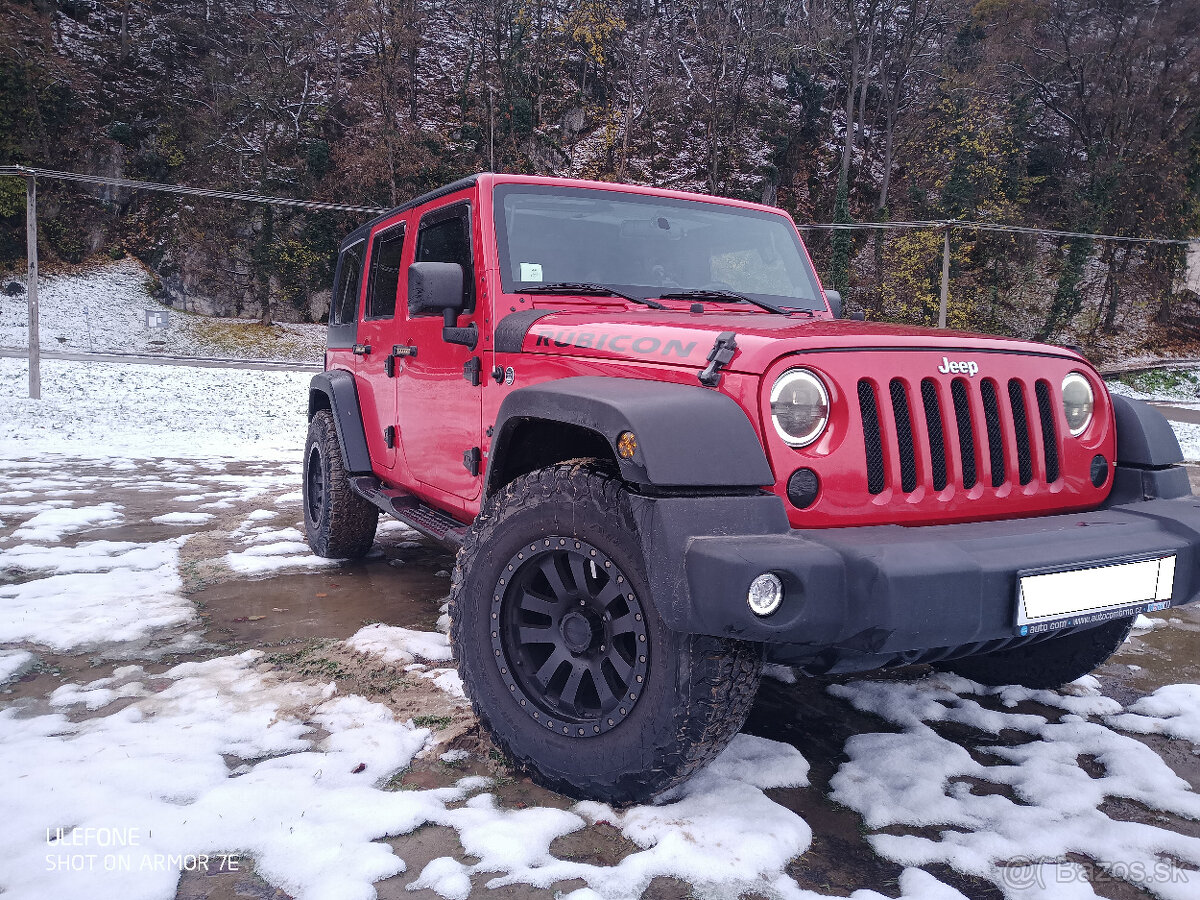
[
  {"x": 569, "y": 637},
  {"x": 314, "y": 483}
]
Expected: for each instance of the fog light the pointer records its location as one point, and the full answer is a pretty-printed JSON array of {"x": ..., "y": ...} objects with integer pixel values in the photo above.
[
  {"x": 1099, "y": 470},
  {"x": 766, "y": 593}
]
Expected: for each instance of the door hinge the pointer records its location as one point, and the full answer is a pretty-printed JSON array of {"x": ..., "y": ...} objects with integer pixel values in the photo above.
[
  {"x": 718, "y": 357},
  {"x": 399, "y": 351},
  {"x": 471, "y": 460},
  {"x": 389, "y": 436},
  {"x": 471, "y": 369},
  {"x": 362, "y": 349}
]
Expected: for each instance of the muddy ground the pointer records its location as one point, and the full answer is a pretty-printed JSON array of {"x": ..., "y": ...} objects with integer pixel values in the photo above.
[{"x": 299, "y": 616}]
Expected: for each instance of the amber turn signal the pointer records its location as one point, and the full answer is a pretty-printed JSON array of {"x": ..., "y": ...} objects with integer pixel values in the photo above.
[{"x": 626, "y": 444}]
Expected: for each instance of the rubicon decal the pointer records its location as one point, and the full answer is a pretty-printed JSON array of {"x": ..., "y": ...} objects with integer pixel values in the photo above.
[
  {"x": 967, "y": 367},
  {"x": 617, "y": 343}
]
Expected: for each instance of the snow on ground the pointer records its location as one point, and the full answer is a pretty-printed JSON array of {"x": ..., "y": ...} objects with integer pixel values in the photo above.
[
  {"x": 99, "y": 592},
  {"x": 101, "y": 308},
  {"x": 1173, "y": 710},
  {"x": 100, "y": 410},
  {"x": 53, "y": 524},
  {"x": 220, "y": 757},
  {"x": 14, "y": 663},
  {"x": 270, "y": 549},
  {"x": 1012, "y": 814}
]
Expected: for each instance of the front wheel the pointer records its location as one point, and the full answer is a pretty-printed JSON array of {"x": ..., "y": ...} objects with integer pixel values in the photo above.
[
  {"x": 1046, "y": 664},
  {"x": 567, "y": 662}
]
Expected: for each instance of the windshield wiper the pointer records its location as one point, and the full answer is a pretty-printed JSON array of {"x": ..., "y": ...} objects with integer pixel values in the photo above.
[
  {"x": 713, "y": 294},
  {"x": 587, "y": 287}
]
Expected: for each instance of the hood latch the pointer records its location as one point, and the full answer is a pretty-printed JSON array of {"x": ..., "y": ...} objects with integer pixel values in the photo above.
[{"x": 718, "y": 357}]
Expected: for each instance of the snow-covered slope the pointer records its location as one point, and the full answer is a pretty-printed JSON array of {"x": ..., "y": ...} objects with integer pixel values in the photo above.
[{"x": 102, "y": 307}]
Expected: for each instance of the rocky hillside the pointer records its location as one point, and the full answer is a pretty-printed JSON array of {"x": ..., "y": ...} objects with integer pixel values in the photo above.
[{"x": 1081, "y": 115}]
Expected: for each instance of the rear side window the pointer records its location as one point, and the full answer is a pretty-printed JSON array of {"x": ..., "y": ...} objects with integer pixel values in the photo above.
[
  {"x": 386, "y": 251},
  {"x": 345, "y": 294},
  {"x": 445, "y": 236}
]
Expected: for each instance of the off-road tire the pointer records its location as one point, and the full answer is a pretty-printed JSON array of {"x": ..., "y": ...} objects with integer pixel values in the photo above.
[
  {"x": 339, "y": 524},
  {"x": 1046, "y": 664},
  {"x": 697, "y": 690}
]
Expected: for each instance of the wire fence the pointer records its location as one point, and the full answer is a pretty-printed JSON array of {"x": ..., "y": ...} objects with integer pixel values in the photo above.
[{"x": 1077, "y": 287}]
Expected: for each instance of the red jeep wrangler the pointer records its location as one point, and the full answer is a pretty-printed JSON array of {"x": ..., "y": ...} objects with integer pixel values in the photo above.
[{"x": 663, "y": 459}]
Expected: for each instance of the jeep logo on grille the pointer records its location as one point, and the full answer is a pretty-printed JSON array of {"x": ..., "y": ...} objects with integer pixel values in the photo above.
[{"x": 967, "y": 367}]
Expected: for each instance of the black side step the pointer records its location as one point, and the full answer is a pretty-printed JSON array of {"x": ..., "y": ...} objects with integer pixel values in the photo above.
[{"x": 408, "y": 509}]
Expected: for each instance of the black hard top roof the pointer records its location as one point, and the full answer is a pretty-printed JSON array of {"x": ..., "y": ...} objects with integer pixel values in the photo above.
[{"x": 363, "y": 231}]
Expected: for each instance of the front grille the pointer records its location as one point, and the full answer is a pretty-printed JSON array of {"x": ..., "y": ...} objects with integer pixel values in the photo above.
[
  {"x": 991, "y": 413},
  {"x": 1049, "y": 433},
  {"x": 871, "y": 440},
  {"x": 1016, "y": 398},
  {"x": 966, "y": 437},
  {"x": 987, "y": 420},
  {"x": 904, "y": 436},
  {"x": 937, "y": 435}
]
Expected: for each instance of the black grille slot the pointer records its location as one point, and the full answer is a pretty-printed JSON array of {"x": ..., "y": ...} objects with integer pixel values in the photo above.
[
  {"x": 991, "y": 413},
  {"x": 871, "y": 439},
  {"x": 1021, "y": 422},
  {"x": 1049, "y": 433},
  {"x": 966, "y": 440},
  {"x": 904, "y": 436},
  {"x": 937, "y": 439}
]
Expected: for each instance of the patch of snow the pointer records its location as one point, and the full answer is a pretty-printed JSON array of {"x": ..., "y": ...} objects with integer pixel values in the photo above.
[
  {"x": 103, "y": 592},
  {"x": 400, "y": 646},
  {"x": 14, "y": 663},
  {"x": 153, "y": 411},
  {"x": 918, "y": 778},
  {"x": 1173, "y": 710},
  {"x": 183, "y": 518},
  {"x": 53, "y": 524}
]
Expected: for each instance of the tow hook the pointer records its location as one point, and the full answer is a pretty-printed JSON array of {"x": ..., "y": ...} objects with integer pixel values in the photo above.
[{"x": 719, "y": 357}]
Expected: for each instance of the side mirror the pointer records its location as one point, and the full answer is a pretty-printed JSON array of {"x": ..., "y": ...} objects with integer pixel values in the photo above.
[
  {"x": 835, "y": 302},
  {"x": 437, "y": 287}
]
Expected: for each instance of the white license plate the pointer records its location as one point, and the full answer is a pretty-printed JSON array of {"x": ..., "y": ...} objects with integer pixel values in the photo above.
[{"x": 1079, "y": 596}]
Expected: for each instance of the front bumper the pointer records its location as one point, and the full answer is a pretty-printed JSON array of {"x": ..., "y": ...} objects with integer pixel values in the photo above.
[{"x": 860, "y": 598}]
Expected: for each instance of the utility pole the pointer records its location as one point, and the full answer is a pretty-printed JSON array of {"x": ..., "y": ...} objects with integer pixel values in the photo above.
[
  {"x": 945, "y": 277},
  {"x": 31, "y": 289}
]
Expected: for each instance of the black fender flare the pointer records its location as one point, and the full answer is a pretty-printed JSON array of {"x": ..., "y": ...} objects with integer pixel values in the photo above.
[
  {"x": 1144, "y": 436},
  {"x": 1148, "y": 455},
  {"x": 687, "y": 436},
  {"x": 336, "y": 390}
]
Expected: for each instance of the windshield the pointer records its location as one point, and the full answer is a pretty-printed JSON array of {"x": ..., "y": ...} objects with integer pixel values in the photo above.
[{"x": 648, "y": 246}]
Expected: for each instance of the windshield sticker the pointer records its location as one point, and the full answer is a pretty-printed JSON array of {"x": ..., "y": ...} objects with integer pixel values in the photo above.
[
  {"x": 531, "y": 271},
  {"x": 618, "y": 343}
]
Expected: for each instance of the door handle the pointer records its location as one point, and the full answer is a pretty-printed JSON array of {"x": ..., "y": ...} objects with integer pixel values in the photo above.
[
  {"x": 399, "y": 351},
  {"x": 362, "y": 349}
]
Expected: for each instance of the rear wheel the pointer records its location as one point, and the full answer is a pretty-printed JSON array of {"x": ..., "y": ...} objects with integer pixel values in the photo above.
[
  {"x": 338, "y": 523},
  {"x": 1047, "y": 664},
  {"x": 564, "y": 656}
]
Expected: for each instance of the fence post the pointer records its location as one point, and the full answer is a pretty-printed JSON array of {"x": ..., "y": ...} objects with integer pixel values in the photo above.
[
  {"x": 31, "y": 289},
  {"x": 945, "y": 276}
]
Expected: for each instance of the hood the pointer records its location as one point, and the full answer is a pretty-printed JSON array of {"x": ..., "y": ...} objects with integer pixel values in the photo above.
[{"x": 683, "y": 338}]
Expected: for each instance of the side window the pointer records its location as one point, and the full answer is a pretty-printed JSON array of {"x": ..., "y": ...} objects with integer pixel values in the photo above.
[
  {"x": 384, "y": 283},
  {"x": 445, "y": 236},
  {"x": 344, "y": 307}
]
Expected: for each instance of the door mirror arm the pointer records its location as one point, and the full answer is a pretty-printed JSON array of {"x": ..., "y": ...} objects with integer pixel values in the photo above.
[{"x": 452, "y": 334}]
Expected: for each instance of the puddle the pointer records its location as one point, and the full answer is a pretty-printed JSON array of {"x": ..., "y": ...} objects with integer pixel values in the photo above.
[{"x": 329, "y": 603}]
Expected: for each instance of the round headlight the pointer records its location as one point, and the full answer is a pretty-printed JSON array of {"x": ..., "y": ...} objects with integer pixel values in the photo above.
[
  {"x": 799, "y": 407},
  {"x": 1078, "y": 402}
]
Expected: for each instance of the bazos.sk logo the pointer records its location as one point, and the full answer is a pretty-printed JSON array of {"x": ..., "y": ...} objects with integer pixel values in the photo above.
[{"x": 967, "y": 367}]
